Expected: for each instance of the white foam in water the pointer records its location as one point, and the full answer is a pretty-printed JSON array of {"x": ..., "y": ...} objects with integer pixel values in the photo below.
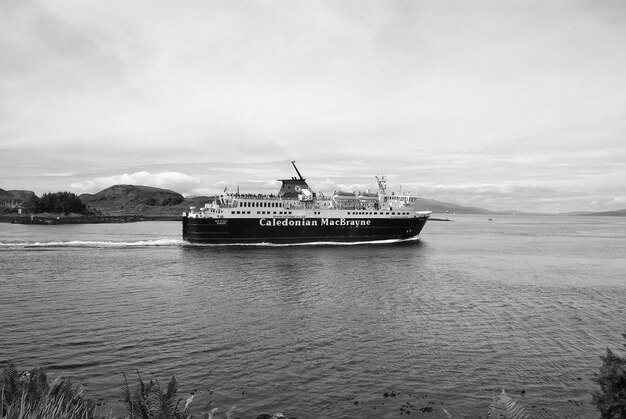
[
  {"x": 180, "y": 242},
  {"x": 91, "y": 244}
]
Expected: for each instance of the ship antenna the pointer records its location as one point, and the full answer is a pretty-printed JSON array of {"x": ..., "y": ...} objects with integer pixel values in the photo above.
[
  {"x": 382, "y": 183},
  {"x": 297, "y": 171}
]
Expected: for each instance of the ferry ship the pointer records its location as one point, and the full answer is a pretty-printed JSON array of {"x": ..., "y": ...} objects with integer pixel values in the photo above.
[{"x": 297, "y": 214}]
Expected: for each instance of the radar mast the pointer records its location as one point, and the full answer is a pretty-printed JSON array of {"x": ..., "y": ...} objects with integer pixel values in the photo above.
[
  {"x": 297, "y": 171},
  {"x": 382, "y": 183}
]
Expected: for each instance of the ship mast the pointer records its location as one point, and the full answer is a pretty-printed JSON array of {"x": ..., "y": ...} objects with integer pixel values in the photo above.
[
  {"x": 382, "y": 184},
  {"x": 297, "y": 171}
]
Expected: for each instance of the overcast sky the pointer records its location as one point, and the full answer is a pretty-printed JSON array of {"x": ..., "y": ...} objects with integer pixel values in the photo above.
[{"x": 498, "y": 104}]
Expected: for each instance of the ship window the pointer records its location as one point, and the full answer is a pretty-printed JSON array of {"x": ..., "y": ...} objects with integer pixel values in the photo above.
[
  {"x": 274, "y": 212},
  {"x": 258, "y": 212},
  {"x": 348, "y": 212}
]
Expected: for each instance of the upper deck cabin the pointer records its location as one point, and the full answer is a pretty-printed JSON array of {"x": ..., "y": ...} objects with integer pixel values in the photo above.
[
  {"x": 292, "y": 188},
  {"x": 295, "y": 188}
]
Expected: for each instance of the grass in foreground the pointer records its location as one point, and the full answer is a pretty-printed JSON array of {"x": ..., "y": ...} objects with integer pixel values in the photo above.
[{"x": 29, "y": 395}]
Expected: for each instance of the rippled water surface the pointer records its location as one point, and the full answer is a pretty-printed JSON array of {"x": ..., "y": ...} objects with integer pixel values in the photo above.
[{"x": 526, "y": 304}]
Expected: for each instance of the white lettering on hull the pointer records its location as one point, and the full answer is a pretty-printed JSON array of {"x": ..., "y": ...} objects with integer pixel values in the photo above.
[
  {"x": 342, "y": 222},
  {"x": 339, "y": 222}
]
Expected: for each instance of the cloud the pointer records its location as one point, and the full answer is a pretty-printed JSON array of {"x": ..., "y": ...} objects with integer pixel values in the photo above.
[
  {"x": 487, "y": 93},
  {"x": 178, "y": 182}
]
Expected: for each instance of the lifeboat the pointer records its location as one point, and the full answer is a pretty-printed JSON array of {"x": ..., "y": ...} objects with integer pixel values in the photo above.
[
  {"x": 344, "y": 196},
  {"x": 368, "y": 196}
]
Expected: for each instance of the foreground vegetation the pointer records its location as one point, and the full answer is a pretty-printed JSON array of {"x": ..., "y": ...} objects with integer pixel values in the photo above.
[
  {"x": 29, "y": 395},
  {"x": 610, "y": 400}
]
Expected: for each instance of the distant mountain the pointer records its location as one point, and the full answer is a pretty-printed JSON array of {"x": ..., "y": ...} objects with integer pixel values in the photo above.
[
  {"x": 141, "y": 200},
  {"x": 5, "y": 197},
  {"x": 616, "y": 213},
  {"x": 15, "y": 196},
  {"x": 441, "y": 207},
  {"x": 132, "y": 199},
  {"x": 24, "y": 196}
]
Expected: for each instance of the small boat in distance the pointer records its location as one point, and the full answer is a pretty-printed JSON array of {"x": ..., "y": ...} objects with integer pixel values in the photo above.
[{"x": 297, "y": 214}]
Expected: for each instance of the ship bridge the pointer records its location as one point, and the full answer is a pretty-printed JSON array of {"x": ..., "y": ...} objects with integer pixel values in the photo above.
[{"x": 292, "y": 188}]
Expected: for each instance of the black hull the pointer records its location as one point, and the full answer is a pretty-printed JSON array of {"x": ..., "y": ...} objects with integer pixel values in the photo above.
[{"x": 299, "y": 230}]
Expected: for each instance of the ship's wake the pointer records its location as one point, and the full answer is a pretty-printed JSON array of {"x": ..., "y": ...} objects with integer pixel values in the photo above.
[
  {"x": 69, "y": 244},
  {"x": 92, "y": 244}
]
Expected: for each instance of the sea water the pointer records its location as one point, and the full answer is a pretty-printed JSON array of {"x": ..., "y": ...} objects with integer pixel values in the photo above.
[{"x": 434, "y": 327}]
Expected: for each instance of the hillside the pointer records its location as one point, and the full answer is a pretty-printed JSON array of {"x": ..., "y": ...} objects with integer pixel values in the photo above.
[
  {"x": 5, "y": 197},
  {"x": 132, "y": 199},
  {"x": 15, "y": 196},
  {"x": 441, "y": 207},
  {"x": 616, "y": 213}
]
